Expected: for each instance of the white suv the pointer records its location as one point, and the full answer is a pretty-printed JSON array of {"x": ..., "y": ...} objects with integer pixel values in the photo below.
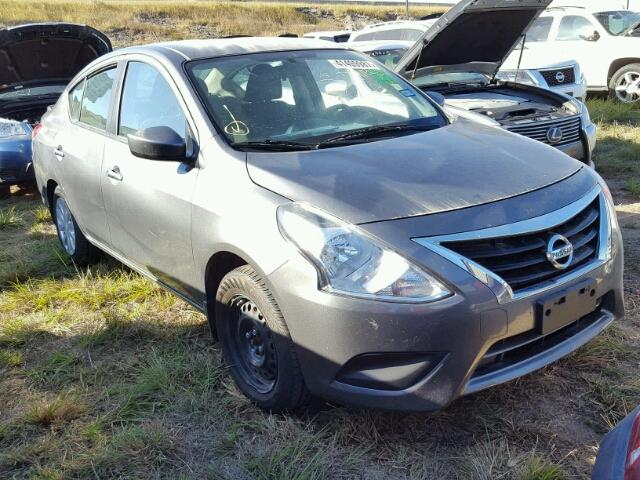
[{"x": 605, "y": 43}]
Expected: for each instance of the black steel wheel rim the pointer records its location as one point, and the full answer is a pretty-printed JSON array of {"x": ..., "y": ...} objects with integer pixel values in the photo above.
[{"x": 252, "y": 345}]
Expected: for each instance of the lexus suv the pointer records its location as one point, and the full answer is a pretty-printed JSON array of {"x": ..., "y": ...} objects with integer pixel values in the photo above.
[
  {"x": 460, "y": 55},
  {"x": 36, "y": 62},
  {"x": 373, "y": 252}
]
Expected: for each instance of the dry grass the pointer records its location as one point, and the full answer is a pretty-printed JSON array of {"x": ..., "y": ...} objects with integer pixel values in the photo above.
[
  {"x": 104, "y": 375},
  {"x": 145, "y": 21}
]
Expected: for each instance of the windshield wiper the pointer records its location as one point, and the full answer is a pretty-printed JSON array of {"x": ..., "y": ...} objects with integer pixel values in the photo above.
[
  {"x": 276, "y": 145},
  {"x": 371, "y": 132}
]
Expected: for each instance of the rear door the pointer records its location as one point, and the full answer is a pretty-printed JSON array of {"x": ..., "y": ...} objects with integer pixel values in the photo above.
[
  {"x": 148, "y": 202},
  {"x": 79, "y": 147}
]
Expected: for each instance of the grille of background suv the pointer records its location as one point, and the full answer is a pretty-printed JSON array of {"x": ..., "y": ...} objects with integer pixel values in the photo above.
[
  {"x": 551, "y": 76},
  {"x": 521, "y": 260}
]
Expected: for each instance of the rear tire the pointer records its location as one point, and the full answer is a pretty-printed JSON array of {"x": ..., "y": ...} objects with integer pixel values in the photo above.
[
  {"x": 625, "y": 84},
  {"x": 5, "y": 190},
  {"x": 73, "y": 242},
  {"x": 256, "y": 343}
]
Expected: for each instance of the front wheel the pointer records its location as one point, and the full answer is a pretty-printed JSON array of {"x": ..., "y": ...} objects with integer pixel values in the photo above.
[
  {"x": 256, "y": 343},
  {"x": 625, "y": 84},
  {"x": 74, "y": 243}
]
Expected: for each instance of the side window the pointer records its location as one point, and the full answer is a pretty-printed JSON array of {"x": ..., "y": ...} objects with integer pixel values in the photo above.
[
  {"x": 574, "y": 27},
  {"x": 148, "y": 101},
  {"x": 539, "y": 29},
  {"x": 97, "y": 97},
  {"x": 75, "y": 101}
]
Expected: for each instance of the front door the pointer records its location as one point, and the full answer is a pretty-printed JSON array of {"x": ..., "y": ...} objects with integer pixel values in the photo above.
[{"x": 148, "y": 202}]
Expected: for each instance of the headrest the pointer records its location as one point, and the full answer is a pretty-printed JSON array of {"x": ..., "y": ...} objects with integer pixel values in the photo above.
[{"x": 264, "y": 84}]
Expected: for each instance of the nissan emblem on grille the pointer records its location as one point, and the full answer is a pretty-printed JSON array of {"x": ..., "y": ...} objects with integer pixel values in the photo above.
[
  {"x": 560, "y": 78},
  {"x": 559, "y": 252},
  {"x": 554, "y": 135}
]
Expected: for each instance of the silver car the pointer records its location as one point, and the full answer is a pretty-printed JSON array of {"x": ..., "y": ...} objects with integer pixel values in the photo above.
[{"x": 351, "y": 243}]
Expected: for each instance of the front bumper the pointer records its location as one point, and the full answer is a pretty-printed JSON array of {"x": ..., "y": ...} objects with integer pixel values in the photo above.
[
  {"x": 15, "y": 161},
  {"x": 575, "y": 90},
  {"x": 421, "y": 357}
]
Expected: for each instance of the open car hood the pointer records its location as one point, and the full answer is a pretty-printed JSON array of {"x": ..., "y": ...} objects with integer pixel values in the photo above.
[
  {"x": 457, "y": 166},
  {"x": 473, "y": 36},
  {"x": 48, "y": 51}
]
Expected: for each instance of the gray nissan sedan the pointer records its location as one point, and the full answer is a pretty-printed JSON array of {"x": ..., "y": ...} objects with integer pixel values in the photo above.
[{"x": 344, "y": 236}]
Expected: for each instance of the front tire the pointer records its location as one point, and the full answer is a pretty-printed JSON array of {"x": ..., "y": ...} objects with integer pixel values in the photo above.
[
  {"x": 74, "y": 243},
  {"x": 625, "y": 84},
  {"x": 256, "y": 343}
]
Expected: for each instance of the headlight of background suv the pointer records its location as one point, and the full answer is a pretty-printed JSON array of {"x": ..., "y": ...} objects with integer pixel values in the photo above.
[
  {"x": 10, "y": 128},
  {"x": 349, "y": 262},
  {"x": 521, "y": 76}
]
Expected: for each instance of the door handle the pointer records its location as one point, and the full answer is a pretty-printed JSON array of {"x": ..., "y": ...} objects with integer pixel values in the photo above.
[
  {"x": 115, "y": 174},
  {"x": 58, "y": 152}
]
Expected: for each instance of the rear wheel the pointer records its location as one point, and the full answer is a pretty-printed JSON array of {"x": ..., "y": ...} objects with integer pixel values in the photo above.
[
  {"x": 74, "y": 243},
  {"x": 256, "y": 343},
  {"x": 625, "y": 84}
]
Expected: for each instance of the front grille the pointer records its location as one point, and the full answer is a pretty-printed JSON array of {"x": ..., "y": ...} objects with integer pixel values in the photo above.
[
  {"x": 521, "y": 260},
  {"x": 540, "y": 130},
  {"x": 510, "y": 351},
  {"x": 554, "y": 77}
]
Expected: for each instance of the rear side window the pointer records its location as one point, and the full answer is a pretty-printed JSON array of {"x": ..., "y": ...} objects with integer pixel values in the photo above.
[
  {"x": 97, "y": 97},
  {"x": 75, "y": 100},
  {"x": 574, "y": 27},
  {"x": 148, "y": 101},
  {"x": 539, "y": 30}
]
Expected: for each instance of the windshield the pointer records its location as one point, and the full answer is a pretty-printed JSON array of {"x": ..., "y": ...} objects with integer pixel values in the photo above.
[
  {"x": 619, "y": 21},
  {"x": 28, "y": 91},
  {"x": 449, "y": 78},
  {"x": 307, "y": 97},
  {"x": 389, "y": 57}
]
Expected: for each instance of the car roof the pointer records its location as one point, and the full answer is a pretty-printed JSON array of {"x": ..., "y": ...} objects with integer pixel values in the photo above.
[
  {"x": 219, "y": 47},
  {"x": 415, "y": 24}
]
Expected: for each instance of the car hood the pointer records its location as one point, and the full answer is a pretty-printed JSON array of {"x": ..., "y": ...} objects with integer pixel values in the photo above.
[
  {"x": 457, "y": 166},
  {"x": 473, "y": 36},
  {"x": 537, "y": 59},
  {"x": 48, "y": 51}
]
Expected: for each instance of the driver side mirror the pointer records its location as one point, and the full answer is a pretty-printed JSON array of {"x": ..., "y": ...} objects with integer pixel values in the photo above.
[
  {"x": 591, "y": 37},
  {"x": 158, "y": 143}
]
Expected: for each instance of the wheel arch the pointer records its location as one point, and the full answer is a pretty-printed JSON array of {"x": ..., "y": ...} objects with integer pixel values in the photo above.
[
  {"x": 219, "y": 265},
  {"x": 49, "y": 189},
  {"x": 618, "y": 64}
]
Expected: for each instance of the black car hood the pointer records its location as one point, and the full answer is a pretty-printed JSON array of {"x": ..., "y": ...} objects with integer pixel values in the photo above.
[
  {"x": 461, "y": 165},
  {"x": 48, "y": 51},
  {"x": 473, "y": 36}
]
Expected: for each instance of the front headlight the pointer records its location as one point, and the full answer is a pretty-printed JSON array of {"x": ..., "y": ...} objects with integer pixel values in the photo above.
[
  {"x": 349, "y": 262},
  {"x": 11, "y": 128},
  {"x": 614, "y": 226},
  {"x": 517, "y": 76}
]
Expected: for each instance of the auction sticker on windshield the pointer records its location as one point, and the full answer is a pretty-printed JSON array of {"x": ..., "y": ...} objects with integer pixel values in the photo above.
[{"x": 354, "y": 64}]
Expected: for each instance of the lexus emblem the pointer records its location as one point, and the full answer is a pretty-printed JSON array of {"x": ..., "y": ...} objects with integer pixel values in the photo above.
[
  {"x": 560, "y": 78},
  {"x": 554, "y": 135},
  {"x": 559, "y": 252}
]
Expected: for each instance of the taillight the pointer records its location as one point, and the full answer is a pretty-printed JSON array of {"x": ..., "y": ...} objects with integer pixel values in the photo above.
[
  {"x": 632, "y": 464},
  {"x": 36, "y": 130}
]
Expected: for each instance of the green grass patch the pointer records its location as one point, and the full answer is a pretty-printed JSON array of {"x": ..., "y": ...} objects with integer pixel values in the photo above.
[{"x": 10, "y": 218}]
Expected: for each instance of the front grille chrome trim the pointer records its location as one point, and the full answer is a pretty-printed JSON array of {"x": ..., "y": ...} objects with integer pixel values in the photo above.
[{"x": 499, "y": 286}]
